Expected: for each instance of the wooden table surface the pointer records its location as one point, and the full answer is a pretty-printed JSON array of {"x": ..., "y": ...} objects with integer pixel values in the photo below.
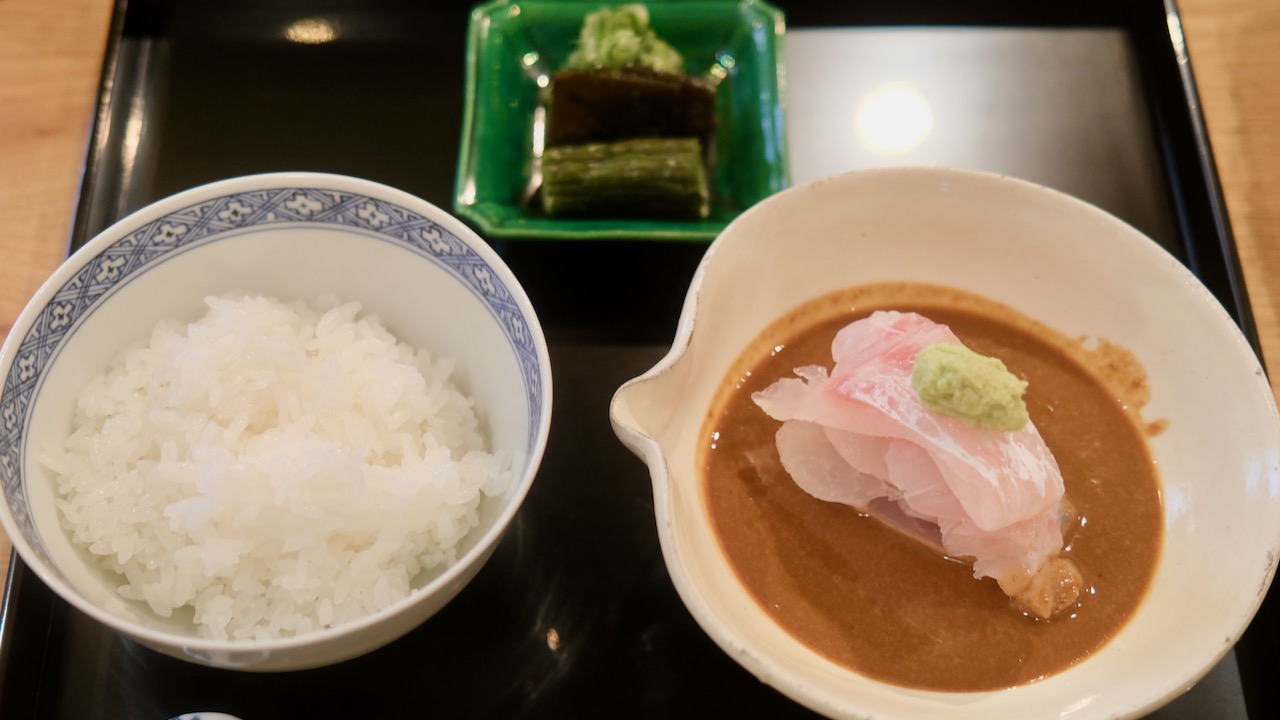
[{"x": 50, "y": 59}]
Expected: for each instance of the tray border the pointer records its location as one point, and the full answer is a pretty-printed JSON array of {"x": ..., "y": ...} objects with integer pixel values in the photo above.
[{"x": 1188, "y": 159}]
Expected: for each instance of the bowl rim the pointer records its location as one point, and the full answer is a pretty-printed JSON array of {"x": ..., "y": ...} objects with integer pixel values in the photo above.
[
  {"x": 203, "y": 648},
  {"x": 653, "y": 453}
]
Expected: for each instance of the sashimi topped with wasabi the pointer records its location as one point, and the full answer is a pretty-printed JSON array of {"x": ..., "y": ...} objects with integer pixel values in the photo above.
[{"x": 912, "y": 427}]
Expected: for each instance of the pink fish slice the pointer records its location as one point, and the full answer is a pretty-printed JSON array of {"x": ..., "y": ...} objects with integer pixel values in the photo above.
[{"x": 860, "y": 435}]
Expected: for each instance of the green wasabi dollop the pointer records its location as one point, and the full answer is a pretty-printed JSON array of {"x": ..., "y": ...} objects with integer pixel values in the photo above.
[
  {"x": 618, "y": 37},
  {"x": 980, "y": 391}
]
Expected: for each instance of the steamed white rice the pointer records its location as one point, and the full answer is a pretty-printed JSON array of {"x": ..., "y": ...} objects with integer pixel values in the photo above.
[{"x": 277, "y": 467}]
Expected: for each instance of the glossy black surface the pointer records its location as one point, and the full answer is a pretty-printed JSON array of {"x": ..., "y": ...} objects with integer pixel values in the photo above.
[{"x": 575, "y": 615}]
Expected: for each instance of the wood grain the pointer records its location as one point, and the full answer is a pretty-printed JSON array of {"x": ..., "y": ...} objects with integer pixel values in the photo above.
[
  {"x": 50, "y": 59},
  {"x": 51, "y": 51},
  {"x": 1235, "y": 54}
]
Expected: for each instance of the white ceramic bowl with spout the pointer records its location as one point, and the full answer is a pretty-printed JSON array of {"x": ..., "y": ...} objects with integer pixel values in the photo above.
[{"x": 1051, "y": 257}]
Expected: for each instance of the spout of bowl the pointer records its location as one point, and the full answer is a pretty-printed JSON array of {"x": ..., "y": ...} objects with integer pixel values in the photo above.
[{"x": 631, "y": 413}]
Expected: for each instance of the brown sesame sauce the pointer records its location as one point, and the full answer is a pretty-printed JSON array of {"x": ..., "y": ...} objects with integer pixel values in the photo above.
[{"x": 873, "y": 600}]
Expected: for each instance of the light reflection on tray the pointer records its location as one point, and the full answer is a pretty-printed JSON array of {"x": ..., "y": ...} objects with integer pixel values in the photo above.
[{"x": 1045, "y": 105}]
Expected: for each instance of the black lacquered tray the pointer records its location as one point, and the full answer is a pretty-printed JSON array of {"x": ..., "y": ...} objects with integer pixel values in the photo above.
[{"x": 575, "y": 615}]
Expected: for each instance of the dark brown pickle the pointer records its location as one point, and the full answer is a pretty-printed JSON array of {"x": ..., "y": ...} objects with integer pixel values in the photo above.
[{"x": 602, "y": 105}]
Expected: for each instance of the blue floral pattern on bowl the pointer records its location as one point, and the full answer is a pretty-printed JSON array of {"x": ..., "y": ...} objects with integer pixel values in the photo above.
[{"x": 206, "y": 222}]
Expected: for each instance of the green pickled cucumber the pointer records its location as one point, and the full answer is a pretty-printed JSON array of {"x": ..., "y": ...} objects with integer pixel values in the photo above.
[{"x": 640, "y": 178}]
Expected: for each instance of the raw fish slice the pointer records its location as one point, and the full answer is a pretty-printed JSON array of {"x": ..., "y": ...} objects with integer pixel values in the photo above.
[
  {"x": 819, "y": 467},
  {"x": 1011, "y": 556},
  {"x": 864, "y": 452},
  {"x": 819, "y": 470},
  {"x": 1004, "y": 553},
  {"x": 990, "y": 497},
  {"x": 874, "y": 359},
  {"x": 924, "y": 489},
  {"x": 926, "y": 511},
  {"x": 871, "y": 394},
  {"x": 892, "y": 514}
]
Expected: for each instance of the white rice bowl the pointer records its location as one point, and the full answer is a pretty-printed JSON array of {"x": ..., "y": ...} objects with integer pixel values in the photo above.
[
  {"x": 405, "y": 450},
  {"x": 277, "y": 468}
]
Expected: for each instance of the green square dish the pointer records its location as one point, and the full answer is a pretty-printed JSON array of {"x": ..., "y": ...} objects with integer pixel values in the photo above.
[{"x": 513, "y": 46}]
